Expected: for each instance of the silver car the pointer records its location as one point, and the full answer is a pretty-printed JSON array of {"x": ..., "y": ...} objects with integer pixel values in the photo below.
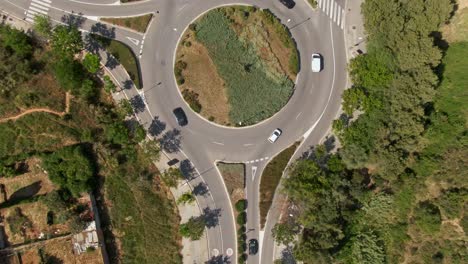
[{"x": 275, "y": 135}]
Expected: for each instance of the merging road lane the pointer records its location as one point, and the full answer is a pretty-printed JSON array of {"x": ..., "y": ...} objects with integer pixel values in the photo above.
[{"x": 308, "y": 114}]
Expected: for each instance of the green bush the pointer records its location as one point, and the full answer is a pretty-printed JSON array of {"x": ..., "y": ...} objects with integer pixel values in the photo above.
[
  {"x": 71, "y": 168},
  {"x": 427, "y": 217},
  {"x": 241, "y": 205},
  {"x": 241, "y": 218},
  {"x": 191, "y": 98}
]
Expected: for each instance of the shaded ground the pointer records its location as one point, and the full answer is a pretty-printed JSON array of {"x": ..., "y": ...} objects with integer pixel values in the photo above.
[{"x": 139, "y": 23}]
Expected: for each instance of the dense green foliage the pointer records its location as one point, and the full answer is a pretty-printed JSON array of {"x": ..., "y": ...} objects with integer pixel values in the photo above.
[
  {"x": 253, "y": 95},
  {"x": 71, "y": 169},
  {"x": 401, "y": 170},
  {"x": 91, "y": 62},
  {"x": 66, "y": 41}
]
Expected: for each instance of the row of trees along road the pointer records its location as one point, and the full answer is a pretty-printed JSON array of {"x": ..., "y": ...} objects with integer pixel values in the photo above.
[{"x": 363, "y": 204}]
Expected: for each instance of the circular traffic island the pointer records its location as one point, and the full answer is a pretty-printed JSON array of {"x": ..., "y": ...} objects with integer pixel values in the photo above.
[{"x": 235, "y": 65}]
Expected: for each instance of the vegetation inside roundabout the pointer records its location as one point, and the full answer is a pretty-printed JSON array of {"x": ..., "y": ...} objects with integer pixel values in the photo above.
[{"x": 236, "y": 65}]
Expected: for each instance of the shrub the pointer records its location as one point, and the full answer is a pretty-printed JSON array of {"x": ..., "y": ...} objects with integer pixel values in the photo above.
[
  {"x": 241, "y": 205},
  {"x": 191, "y": 98},
  {"x": 241, "y": 218},
  {"x": 193, "y": 228},
  {"x": 178, "y": 68},
  {"x": 18, "y": 222},
  {"x": 427, "y": 217}
]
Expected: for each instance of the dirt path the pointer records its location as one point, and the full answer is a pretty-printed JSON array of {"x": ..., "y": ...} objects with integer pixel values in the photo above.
[{"x": 39, "y": 109}]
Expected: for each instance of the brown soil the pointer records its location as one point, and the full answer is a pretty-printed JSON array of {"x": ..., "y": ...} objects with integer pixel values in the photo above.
[
  {"x": 202, "y": 77},
  {"x": 40, "y": 109},
  {"x": 457, "y": 29}
]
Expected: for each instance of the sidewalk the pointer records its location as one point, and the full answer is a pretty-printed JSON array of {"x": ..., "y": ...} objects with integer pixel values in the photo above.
[
  {"x": 193, "y": 252},
  {"x": 355, "y": 36}
]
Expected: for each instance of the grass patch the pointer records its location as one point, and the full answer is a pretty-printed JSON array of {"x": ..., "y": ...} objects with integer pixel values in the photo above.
[
  {"x": 139, "y": 23},
  {"x": 124, "y": 55},
  {"x": 143, "y": 219},
  {"x": 254, "y": 94},
  {"x": 271, "y": 177},
  {"x": 233, "y": 175}
]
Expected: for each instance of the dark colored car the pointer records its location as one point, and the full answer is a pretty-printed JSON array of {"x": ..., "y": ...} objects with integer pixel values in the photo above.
[
  {"x": 288, "y": 3},
  {"x": 172, "y": 162},
  {"x": 253, "y": 246},
  {"x": 180, "y": 116}
]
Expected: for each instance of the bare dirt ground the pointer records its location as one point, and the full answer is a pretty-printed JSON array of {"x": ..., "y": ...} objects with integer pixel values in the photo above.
[
  {"x": 202, "y": 77},
  {"x": 40, "y": 109},
  {"x": 457, "y": 30},
  {"x": 18, "y": 185}
]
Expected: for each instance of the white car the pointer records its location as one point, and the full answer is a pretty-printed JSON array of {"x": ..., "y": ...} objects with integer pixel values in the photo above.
[
  {"x": 316, "y": 62},
  {"x": 275, "y": 135}
]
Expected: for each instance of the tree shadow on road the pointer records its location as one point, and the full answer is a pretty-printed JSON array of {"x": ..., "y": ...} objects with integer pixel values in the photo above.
[
  {"x": 73, "y": 20},
  {"x": 137, "y": 104},
  {"x": 156, "y": 127},
  {"x": 171, "y": 140},
  {"x": 188, "y": 170},
  {"x": 211, "y": 216},
  {"x": 103, "y": 30},
  {"x": 200, "y": 189},
  {"x": 219, "y": 260}
]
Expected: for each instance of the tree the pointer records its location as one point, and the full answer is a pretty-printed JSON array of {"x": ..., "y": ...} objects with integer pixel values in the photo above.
[
  {"x": 71, "y": 169},
  {"x": 42, "y": 25},
  {"x": 117, "y": 133},
  {"x": 88, "y": 89},
  {"x": 66, "y": 41},
  {"x": 17, "y": 41},
  {"x": 152, "y": 149},
  {"x": 139, "y": 133},
  {"x": 186, "y": 198},
  {"x": 109, "y": 85},
  {"x": 171, "y": 177},
  {"x": 284, "y": 233},
  {"x": 69, "y": 74},
  {"x": 193, "y": 228},
  {"x": 125, "y": 108},
  {"x": 92, "y": 63}
]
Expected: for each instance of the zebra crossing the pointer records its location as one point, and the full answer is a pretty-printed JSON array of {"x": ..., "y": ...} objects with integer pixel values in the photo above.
[
  {"x": 333, "y": 10},
  {"x": 37, "y": 7}
]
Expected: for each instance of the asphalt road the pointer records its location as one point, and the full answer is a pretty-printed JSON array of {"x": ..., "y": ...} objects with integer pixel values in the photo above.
[{"x": 308, "y": 114}]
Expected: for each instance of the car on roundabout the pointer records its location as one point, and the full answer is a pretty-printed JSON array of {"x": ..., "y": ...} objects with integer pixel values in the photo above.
[
  {"x": 275, "y": 135},
  {"x": 316, "y": 62},
  {"x": 288, "y": 3},
  {"x": 253, "y": 246},
  {"x": 180, "y": 116}
]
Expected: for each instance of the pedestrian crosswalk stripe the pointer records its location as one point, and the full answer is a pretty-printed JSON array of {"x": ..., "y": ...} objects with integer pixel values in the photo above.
[
  {"x": 37, "y": 7},
  {"x": 333, "y": 10}
]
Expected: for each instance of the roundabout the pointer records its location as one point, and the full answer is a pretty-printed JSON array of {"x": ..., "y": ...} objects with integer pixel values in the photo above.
[{"x": 235, "y": 65}]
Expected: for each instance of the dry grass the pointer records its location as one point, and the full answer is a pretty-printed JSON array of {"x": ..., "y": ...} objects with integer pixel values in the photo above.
[
  {"x": 139, "y": 23},
  {"x": 271, "y": 177},
  {"x": 62, "y": 249},
  {"x": 270, "y": 48},
  {"x": 202, "y": 77},
  {"x": 457, "y": 30}
]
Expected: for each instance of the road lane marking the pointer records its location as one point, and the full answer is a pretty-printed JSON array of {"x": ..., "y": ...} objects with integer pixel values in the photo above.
[
  {"x": 248, "y": 144},
  {"x": 342, "y": 19},
  {"x": 134, "y": 41},
  {"x": 254, "y": 170},
  {"x": 218, "y": 143},
  {"x": 298, "y": 115},
  {"x": 229, "y": 252}
]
